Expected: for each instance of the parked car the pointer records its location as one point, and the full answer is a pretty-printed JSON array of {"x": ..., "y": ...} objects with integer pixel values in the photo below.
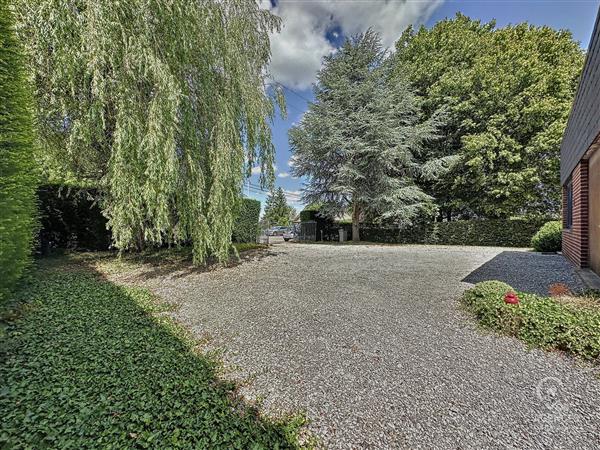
[
  {"x": 289, "y": 234},
  {"x": 276, "y": 231}
]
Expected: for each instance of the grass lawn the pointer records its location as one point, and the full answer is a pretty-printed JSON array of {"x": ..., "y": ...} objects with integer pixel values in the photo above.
[{"x": 86, "y": 363}]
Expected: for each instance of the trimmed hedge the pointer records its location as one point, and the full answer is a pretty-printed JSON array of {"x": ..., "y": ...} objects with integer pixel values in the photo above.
[
  {"x": 542, "y": 322},
  {"x": 308, "y": 213},
  {"x": 548, "y": 238},
  {"x": 71, "y": 218},
  {"x": 245, "y": 228},
  {"x": 495, "y": 233},
  {"x": 18, "y": 178}
]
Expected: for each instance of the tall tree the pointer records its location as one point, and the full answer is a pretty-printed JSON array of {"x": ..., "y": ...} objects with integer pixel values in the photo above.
[
  {"x": 18, "y": 180},
  {"x": 277, "y": 211},
  {"x": 160, "y": 104},
  {"x": 508, "y": 93},
  {"x": 359, "y": 142}
]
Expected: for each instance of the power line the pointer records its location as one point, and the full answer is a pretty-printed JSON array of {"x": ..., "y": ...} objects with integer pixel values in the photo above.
[
  {"x": 289, "y": 89},
  {"x": 267, "y": 190},
  {"x": 294, "y": 198},
  {"x": 295, "y": 108},
  {"x": 258, "y": 190}
]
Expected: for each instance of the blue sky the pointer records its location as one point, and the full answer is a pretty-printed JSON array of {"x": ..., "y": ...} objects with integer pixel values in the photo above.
[{"x": 314, "y": 28}]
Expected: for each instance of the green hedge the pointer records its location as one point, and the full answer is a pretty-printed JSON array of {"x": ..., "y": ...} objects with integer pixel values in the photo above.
[
  {"x": 548, "y": 238},
  {"x": 18, "y": 180},
  {"x": 308, "y": 213},
  {"x": 501, "y": 233},
  {"x": 245, "y": 228},
  {"x": 71, "y": 218},
  {"x": 539, "y": 321}
]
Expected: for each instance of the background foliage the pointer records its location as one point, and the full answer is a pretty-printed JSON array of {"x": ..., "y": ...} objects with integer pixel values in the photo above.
[
  {"x": 18, "y": 174},
  {"x": 160, "y": 105},
  {"x": 508, "y": 92},
  {"x": 245, "y": 228},
  {"x": 277, "y": 210}
]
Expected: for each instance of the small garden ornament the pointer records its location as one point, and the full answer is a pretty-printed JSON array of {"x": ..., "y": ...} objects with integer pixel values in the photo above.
[{"x": 511, "y": 298}]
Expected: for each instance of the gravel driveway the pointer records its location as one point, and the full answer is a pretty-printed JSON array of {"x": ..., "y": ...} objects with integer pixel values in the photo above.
[{"x": 371, "y": 343}]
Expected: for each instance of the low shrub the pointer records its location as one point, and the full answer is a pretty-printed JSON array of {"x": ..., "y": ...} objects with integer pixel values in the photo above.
[
  {"x": 245, "y": 228},
  {"x": 548, "y": 238},
  {"x": 543, "y": 322},
  {"x": 486, "y": 289},
  {"x": 85, "y": 363}
]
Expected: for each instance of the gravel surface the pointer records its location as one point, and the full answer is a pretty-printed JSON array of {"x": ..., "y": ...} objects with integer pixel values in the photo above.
[
  {"x": 528, "y": 271},
  {"x": 371, "y": 343}
]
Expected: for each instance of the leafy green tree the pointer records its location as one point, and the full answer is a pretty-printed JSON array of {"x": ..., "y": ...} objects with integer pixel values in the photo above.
[
  {"x": 161, "y": 105},
  {"x": 18, "y": 180},
  {"x": 359, "y": 143},
  {"x": 508, "y": 93},
  {"x": 277, "y": 211}
]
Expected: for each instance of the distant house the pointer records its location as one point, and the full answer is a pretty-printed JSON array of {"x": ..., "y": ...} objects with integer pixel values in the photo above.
[{"x": 580, "y": 166}]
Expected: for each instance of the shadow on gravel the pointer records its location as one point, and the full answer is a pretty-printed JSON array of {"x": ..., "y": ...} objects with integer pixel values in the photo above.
[
  {"x": 163, "y": 263},
  {"x": 527, "y": 271}
]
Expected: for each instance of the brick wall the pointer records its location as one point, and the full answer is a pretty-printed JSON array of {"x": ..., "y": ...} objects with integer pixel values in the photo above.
[{"x": 575, "y": 239}]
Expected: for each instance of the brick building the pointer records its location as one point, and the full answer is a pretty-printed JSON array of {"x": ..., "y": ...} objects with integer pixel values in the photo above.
[{"x": 580, "y": 166}]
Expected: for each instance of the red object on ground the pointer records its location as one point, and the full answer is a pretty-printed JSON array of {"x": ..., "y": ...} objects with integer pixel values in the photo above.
[{"x": 511, "y": 298}]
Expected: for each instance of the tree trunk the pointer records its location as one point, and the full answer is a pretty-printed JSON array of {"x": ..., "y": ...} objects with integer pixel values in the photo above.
[
  {"x": 355, "y": 222},
  {"x": 141, "y": 243}
]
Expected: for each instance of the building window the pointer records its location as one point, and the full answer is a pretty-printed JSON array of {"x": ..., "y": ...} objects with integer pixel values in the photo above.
[{"x": 569, "y": 210}]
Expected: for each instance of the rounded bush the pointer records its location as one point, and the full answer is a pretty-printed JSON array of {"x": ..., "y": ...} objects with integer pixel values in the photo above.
[{"x": 548, "y": 238}]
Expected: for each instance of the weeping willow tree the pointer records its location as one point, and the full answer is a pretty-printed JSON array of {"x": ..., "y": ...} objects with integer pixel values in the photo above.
[{"x": 159, "y": 103}]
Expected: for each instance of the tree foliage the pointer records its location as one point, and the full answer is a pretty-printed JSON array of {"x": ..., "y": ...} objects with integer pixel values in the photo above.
[
  {"x": 160, "y": 104},
  {"x": 18, "y": 180},
  {"x": 277, "y": 210},
  {"x": 360, "y": 143},
  {"x": 508, "y": 93}
]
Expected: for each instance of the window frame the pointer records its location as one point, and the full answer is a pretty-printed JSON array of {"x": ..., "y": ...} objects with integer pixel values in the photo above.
[{"x": 569, "y": 204}]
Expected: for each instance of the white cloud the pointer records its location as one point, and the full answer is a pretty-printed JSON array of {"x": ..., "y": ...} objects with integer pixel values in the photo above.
[
  {"x": 283, "y": 174},
  {"x": 302, "y": 43}
]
